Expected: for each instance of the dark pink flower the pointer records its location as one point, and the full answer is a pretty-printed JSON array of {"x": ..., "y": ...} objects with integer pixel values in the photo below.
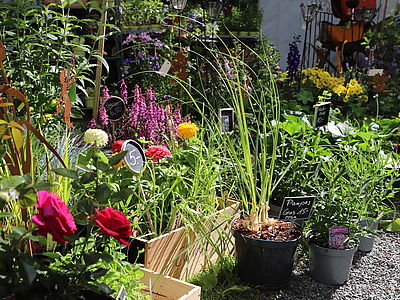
[{"x": 53, "y": 217}]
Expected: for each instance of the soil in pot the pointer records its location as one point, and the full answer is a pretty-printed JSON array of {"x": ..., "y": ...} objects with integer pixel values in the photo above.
[{"x": 266, "y": 257}]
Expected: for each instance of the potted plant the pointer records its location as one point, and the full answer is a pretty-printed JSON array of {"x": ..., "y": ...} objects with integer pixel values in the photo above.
[
  {"x": 332, "y": 231},
  {"x": 371, "y": 171},
  {"x": 265, "y": 246}
]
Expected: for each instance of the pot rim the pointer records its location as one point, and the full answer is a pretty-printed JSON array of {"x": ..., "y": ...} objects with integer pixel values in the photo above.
[
  {"x": 333, "y": 250},
  {"x": 271, "y": 241}
]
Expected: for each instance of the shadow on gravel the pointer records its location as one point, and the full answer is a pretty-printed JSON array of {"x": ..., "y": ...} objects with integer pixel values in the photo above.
[{"x": 303, "y": 287}]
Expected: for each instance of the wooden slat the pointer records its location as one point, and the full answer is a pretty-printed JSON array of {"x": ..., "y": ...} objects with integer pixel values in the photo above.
[
  {"x": 185, "y": 252},
  {"x": 167, "y": 288}
]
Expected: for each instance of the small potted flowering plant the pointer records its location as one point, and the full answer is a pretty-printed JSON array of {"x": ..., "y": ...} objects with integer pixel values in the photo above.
[{"x": 334, "y": 226}]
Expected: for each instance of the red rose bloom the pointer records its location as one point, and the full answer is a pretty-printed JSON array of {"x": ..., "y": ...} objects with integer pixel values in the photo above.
[
  {"x": 116, "y": 147},
  {"x": 53, "y": 217},
  {"x": 114, "y": 223},
  {"x": 157, "y": 152}
]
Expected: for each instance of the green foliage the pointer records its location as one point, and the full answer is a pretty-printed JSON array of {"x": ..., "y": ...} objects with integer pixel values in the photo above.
[
  {"x": 40, "y": 42},
  {"x": 391, "y": 226},
  {"x": 137, "y": 12}
]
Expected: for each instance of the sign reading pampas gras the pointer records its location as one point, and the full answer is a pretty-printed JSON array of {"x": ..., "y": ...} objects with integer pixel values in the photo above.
[{"x": 186, "y": 251}]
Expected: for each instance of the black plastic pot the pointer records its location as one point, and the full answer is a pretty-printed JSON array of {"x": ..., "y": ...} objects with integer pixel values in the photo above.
[{"x": 264, "y": 262}]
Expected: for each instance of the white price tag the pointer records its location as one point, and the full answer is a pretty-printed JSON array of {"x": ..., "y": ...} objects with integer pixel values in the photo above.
[
  {"x": 165, "y": 68},
  {"x": 373, "y": 72}
]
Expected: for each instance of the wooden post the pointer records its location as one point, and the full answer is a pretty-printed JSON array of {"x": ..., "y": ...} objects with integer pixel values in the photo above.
[{"x": 100, "y": 51}]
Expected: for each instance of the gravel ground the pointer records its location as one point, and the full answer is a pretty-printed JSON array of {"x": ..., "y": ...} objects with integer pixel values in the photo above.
[{"x": 373, "y": 276}]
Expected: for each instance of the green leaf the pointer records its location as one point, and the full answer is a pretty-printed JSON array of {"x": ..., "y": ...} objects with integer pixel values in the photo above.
[
  {"x": 17, "y": 232},
  {"x": 28, "y": 199},
  {"x": 122, "y": 195},
  {"x": 291, "y": 127},
  {"x": 391, "y": 225},
  {"x": 102, "y": 166},
  {"x": 91, "y": 258},
  {"x": 115, "y": 159},
  {"x": 66, "y": 173},
  {"x": 53, "y": 255},
  {"x": 6, "y": 215},
  {"x": 28, "y": 271},
  {"x": 209, "y": 281},
  {"x": 87, "y": 177},
  {"x": 103, "y": 193},
  {"x": 12, "y": 182},
  {"x": 99, "y": 273},
  {"x": 72, "y": 93},
  {"x": 43, "y": 185}
]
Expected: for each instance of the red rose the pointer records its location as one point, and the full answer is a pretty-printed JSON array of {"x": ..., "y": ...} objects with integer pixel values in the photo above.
[
  {"x": 53, "y": 217},
  {"x": 157, "y": 152},
  {"x": 116, "y": 147},
  {"x": 114, "y": 223}
]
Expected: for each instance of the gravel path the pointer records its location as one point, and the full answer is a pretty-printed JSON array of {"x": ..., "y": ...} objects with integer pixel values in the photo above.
[{"x": 373, "y": 276}]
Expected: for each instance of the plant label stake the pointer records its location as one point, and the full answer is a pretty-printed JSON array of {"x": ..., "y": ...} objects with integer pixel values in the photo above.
[
  {"x": 338, "y": 236},
  {"x": 321, "y": 114},
  {"x": 115, "y": 109},
  {"x": 122, "y": 295},
  {"x": 296, "y": 208},
  {"x": 134, "y": 158},
  {"x": 226, "y": 120},
  {"x": 165, "y": 68}
]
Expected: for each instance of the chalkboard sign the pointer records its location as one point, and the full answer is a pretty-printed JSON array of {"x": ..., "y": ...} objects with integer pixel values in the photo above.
[
  {"x": 321, "y": 114},
  {"x": 227, "y": 122},
  {"x": 115, "y": 108},
  {"x": 134, "y": 158},
  {"x": 296, "y": 208}
]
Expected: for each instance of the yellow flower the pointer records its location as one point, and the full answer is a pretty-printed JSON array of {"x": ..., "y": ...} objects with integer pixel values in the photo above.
[
  {"x": 187, "y": 130},
  {"x": 96, "y": 137},
  {"x": 340, "y": 89},
  {"x": 398, "y": 116}
]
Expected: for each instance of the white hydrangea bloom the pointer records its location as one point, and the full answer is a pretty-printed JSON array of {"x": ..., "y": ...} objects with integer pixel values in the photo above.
[{"x": 97, "y": 137}]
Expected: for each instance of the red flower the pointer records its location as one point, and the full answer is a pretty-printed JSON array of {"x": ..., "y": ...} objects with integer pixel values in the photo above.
[
  {"x": 116, "y": 147},
  {"x": 157, "y": 152},
  {"x": 53, "y": 217},
  {"x": 114, "y": 223}
]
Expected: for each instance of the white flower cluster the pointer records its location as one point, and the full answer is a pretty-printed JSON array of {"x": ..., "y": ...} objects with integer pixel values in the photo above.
[{"x": 97, "y": 137}]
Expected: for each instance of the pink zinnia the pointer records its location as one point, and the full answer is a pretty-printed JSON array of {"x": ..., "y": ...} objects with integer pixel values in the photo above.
[
  {"x": 157, "y": 152},
  {"x": 53, "y": 217}
]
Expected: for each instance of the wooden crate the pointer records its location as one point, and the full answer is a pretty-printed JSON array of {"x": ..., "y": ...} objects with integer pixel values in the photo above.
[
  {"x": 186, "y": 251},
  {"x": 166, "y": 288}
]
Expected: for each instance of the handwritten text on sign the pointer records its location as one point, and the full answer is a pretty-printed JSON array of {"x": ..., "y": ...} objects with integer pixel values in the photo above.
[
  {"x": 115, "y": 108},
  {"x": 321, "y": 114},
  {"x": 134, "y": 158},
  {"x": 296, "y": 208}
]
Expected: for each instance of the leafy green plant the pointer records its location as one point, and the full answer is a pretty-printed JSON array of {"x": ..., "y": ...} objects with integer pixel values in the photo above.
[{"x": 41, "y": 41}]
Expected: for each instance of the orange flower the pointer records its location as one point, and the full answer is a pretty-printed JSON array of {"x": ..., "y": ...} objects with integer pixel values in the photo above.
[{"x": 187, "y": 130}]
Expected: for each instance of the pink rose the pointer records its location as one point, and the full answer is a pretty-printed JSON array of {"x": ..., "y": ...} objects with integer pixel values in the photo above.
[
  {"x": 157, "y": 152},
  {"x": 53, "y": 217}
]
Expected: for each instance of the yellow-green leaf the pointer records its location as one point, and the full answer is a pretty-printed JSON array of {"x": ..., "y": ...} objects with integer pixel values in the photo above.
[
  {"x": 17, "y": 136},
  {"x": 16, "y": 125}
]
